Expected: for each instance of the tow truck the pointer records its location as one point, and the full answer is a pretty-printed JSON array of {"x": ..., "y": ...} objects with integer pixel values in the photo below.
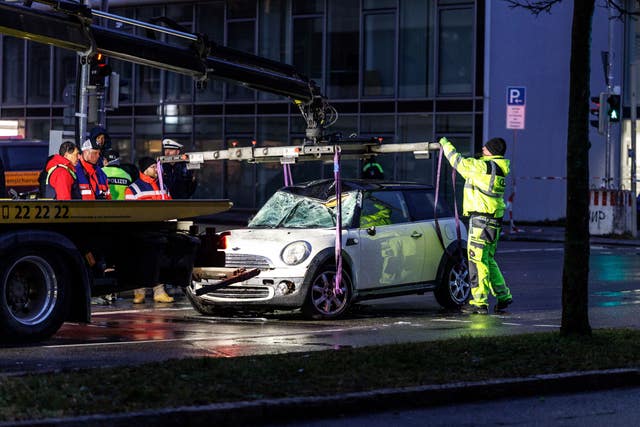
[{"x": 55, "y": 255}]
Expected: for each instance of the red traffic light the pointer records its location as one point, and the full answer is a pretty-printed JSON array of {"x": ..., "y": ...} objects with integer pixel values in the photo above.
[{"x": 100, "y": 69}]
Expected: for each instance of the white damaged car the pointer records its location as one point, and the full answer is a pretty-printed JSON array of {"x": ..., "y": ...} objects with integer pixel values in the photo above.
[{"x": 390, "y": 247}]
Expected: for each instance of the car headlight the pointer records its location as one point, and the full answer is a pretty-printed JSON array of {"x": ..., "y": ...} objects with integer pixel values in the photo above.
[{"x": 295, "y": 252}]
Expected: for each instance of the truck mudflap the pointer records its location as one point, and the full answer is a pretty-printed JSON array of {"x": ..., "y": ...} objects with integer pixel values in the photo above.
[{"x": 209, "y": 279}]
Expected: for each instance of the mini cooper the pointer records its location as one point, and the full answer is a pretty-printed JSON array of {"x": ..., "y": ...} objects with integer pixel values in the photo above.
[{"x": 392, "y": 245}]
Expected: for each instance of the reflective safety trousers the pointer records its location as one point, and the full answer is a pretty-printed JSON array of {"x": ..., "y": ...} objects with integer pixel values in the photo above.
[
  {"x": 484, "y": 273},
  {"x": 485, "y": 180}
]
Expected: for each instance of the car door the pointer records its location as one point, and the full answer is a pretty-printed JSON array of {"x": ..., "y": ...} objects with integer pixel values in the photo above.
[
  {"x": 391, "y": 246},
  {"x": 420, "y": 203}
]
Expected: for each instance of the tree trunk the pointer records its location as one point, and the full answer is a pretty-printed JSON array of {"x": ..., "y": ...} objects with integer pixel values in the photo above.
[{"x": 575, "y": 274}]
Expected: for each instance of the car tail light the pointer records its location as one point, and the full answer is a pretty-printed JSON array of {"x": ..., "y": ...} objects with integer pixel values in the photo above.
[{"x": 222, "y": 240}]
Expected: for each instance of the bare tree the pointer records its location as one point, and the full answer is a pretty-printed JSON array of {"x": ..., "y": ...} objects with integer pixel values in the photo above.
[{"x": 575, "y": 273}]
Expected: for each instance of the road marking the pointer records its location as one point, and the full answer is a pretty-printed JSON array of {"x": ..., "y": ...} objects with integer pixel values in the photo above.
[
  {"x": 139, "y": 310},
  {"x": 513, "y": 251},
  {"x": 232, "y": 337}
]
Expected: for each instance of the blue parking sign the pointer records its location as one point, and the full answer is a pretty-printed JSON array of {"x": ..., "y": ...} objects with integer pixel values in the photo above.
[{"x": 516, "y": 95}]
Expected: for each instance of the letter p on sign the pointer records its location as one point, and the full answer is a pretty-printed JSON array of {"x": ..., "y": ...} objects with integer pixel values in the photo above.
[{"x": 516, "y": 96}]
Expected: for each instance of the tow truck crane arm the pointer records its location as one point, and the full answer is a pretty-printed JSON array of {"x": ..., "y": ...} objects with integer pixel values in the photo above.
[{"x": 73, "y": 26}]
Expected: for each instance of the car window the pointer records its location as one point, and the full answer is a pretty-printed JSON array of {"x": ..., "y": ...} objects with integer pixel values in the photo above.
[
  {"x": 421, "y": 202},
  {"x": 383, "y": 208},
  {"x": 288, "y": 210}
]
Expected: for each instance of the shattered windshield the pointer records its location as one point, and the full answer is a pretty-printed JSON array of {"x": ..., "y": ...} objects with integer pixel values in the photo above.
[{"x": 289, "y": 210}]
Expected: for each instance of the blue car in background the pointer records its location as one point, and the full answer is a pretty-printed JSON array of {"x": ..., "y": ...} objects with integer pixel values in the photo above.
[{"x": 20, "y": 165}]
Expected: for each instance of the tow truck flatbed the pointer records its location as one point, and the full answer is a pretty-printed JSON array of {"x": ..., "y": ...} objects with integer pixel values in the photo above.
[{"x": 45, "y": 211}]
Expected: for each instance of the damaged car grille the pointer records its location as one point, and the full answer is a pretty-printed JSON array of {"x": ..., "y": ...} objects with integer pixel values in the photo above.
[
  {"x": 248, "y": 261},
  {"x": 241, "y": 292}
]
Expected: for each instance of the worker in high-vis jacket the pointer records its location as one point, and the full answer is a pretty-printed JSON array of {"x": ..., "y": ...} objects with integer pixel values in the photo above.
[{"x": 483, "y": 202}]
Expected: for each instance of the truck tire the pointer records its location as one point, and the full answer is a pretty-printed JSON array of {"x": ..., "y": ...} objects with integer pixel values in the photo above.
[{"x": 34, "y": 295}]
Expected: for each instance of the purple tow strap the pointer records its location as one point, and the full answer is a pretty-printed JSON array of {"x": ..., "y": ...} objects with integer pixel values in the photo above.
[
  {"x": 338, "y": 247},
  {"x": 455, "y": 205},
  {"x": 160, "y": 180},
  {"x": 288, "y": 179}
]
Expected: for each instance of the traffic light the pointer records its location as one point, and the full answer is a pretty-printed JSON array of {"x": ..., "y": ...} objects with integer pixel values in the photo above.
[
  {"x": 100, "y": 70},
  {"x": 598, "y": 112},
  {"x": 613, "y": 111}
]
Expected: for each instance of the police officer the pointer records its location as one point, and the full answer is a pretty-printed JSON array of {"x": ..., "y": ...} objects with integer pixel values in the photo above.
[
  {"x": 117, "y": 177},
  {"x": 372, "y": 169},
  {"x": 483, "y": 202},
  {"x": 180, "y": 180}
]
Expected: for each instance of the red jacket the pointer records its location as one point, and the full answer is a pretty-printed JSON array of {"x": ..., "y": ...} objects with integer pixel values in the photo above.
[
  {"x": 62, "y": 179},
  {"x": 92, "y": 181},
  {"x": 146, "y": 188}
]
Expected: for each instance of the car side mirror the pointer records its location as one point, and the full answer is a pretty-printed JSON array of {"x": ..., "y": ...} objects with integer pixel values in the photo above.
[{"x": 371, "y": 231}]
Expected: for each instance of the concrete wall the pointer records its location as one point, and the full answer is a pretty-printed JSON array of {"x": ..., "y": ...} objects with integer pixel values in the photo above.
[{"x": 524, "y": 50}]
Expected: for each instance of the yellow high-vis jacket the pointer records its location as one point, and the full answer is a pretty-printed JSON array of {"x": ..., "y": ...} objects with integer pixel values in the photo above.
[{"x": 484, "y": 181}]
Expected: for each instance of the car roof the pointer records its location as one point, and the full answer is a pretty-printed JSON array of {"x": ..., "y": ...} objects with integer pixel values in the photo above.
[{"x": 324, "y": 188}]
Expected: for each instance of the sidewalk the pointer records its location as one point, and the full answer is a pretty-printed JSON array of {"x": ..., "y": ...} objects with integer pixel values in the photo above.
[
  {"x": 274, "y": 411},
  {"x": 535, "y": 233}
]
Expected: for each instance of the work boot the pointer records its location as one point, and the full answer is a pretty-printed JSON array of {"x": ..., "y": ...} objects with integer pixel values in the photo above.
[
  {"x": 501, "y": 306},
  {"x": 138, "y": 296},
  {"x": 474, "y": 309},
  {"x": 160, "y": 295}
]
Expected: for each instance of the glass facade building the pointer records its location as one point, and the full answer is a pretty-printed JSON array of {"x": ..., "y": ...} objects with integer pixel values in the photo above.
[{"x": 404, "y": 70}]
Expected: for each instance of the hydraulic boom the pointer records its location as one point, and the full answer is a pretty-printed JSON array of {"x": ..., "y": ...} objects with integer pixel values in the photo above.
[{"x": 76, "y": 27}]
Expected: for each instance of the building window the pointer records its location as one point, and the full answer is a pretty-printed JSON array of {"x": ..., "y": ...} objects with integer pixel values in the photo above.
[
  {"x": 39, "y": 73},
  {"x": 240, "y": 9},
  {"x": 241, "y": 36},
  {"x": 307, "y": 6},
  {"x": 178, "y": 86},
  {"x": 13, "y": 71},
  {"x": 455, "y": 51},
  {"x": 415, "y": 66},
  {"x": 148, "y": 137},
  {"x": 64, "y": 76},
  {"x": 343, "y": 50},
  {"x": 208, "y": 137},
  {"x": 38, "y": 128},
  {"x": 148, "y": 78},
  {"x": 414, "y": 128},
  {"x": 273, "y": 42},
  {"x": 307, "y": 47},
  {"x": 379, "y": 54},
  {"x": 272, "y": 132},
  {"x": 210, "y": 21}
]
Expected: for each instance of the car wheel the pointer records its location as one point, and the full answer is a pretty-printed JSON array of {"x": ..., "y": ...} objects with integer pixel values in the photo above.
[
  {"x": 454, "y": 288},
  {"x": 323, "y": 302},
  {"x": 34, "y": 296}
]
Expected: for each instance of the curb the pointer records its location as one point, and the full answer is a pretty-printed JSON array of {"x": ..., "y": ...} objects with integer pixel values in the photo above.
[
  {"x": 289, "y": 409},
  {"x": 560, "y": 239}
]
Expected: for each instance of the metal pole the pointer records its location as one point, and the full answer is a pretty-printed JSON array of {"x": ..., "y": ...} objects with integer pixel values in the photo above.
[
  {"x": 632, "y": 153},
  {"x": 84, "y": 99},
  {"x": 607, "y": 168}
]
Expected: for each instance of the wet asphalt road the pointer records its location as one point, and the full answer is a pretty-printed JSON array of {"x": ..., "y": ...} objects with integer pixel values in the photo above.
[{"x": 123, "y": 334}]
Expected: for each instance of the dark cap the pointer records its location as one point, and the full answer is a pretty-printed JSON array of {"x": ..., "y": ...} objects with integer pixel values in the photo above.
[
  {"x": 496, "y": 146},
  {"x": 112, "y": 156},
  {"x": 145, "y": 162}
]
